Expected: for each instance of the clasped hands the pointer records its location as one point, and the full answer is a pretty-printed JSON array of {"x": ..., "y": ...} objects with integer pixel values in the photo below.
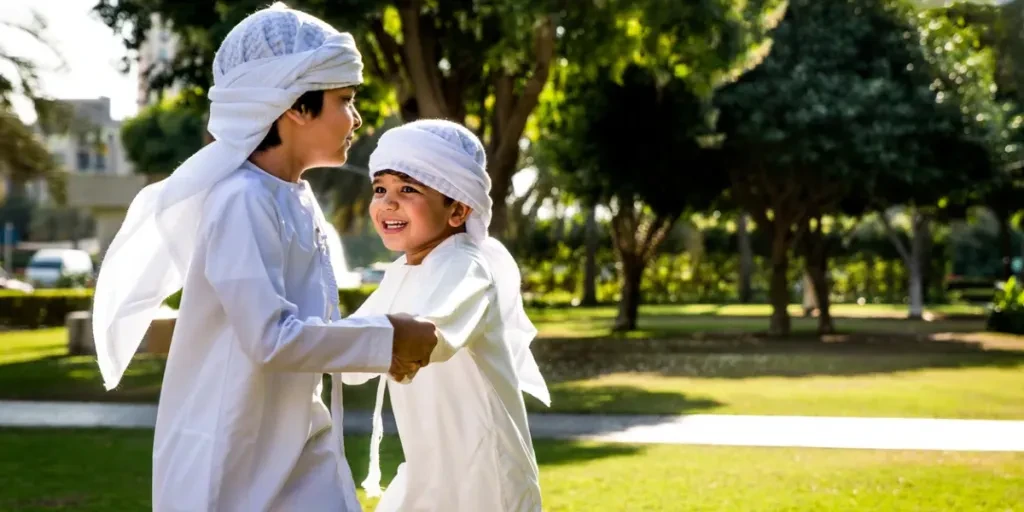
[{"x": 414, "y": 340}]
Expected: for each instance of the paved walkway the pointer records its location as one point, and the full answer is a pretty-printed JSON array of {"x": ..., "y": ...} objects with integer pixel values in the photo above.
[{"x": 703, "y": 429}]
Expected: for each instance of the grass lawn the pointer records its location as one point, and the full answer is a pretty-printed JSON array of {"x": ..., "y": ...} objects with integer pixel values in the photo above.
[
  {"x": 102, "y": 470},
  {"x": 710, "y": 364}
]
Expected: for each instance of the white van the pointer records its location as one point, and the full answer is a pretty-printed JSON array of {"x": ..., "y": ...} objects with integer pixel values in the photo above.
[{"x": 48, "y": 266}]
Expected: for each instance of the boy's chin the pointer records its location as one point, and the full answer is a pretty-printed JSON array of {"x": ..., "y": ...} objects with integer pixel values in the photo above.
[{"x": 394, "y": 245}]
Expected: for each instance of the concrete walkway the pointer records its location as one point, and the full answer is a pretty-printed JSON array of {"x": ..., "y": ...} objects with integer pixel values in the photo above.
[{"x": 700, "y": 429}]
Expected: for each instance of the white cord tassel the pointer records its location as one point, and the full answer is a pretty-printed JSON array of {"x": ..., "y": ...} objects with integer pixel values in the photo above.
[{"x": 372, "y": 482}]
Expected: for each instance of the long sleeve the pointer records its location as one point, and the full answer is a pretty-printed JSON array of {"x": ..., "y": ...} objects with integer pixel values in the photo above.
[
  {"x": 365, "y": 310},
  {"x": 462, "y": 297},
  {"x": 245, "y": 266}
]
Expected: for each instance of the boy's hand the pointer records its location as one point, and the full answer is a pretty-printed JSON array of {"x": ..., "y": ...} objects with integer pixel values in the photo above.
[
  {"x": 414, "y": 340},
  {"x": 402, "y": 372}
]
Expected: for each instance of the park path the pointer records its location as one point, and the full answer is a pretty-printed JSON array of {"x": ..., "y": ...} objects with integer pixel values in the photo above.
[{"x": 698, "y": 429}]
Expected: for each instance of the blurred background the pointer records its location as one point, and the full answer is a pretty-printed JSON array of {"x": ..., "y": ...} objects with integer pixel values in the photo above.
[{"x": 733, "y": 207}]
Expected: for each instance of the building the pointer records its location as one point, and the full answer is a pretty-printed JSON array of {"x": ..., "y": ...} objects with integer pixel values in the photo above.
[
  {"x": 93, "y": 142},
  {"x": 155, "y": 53},
  {"x": 91, "y": 145}
]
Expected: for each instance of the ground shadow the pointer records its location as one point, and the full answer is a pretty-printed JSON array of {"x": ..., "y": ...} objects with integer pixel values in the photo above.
[
  {"x": 559, "y": 453},
  {"x": 753, "y": 355},
  {"x": 77, "y": 378}
]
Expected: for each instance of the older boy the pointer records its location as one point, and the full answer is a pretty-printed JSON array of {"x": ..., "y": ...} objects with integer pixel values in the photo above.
[{"x": 240, "y": 425}]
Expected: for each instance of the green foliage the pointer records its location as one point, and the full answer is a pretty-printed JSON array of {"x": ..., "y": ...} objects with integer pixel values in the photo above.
[
  {"x": 860, "y": 95},
  {"x": 1008, "y": 308},
  {"x": 633, "y": 164},
  {"x": 162, "y": 136},
  {"x": 349, "y": 299},
  {"x": 22, "y": 157},
  {"x": 42, "y": 308}
]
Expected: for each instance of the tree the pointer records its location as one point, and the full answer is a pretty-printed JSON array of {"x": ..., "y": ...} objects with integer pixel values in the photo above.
[
  {"x": 649, "y": 175},
  {"x": 162, "y": 136},
  {"x": 482, "y": 63},
  {"x": 1000, "y": 29},
  {"x": 969, "y": 144},
  {"x": 22, "y": 156},
  {"x": 846, "y": 101}
]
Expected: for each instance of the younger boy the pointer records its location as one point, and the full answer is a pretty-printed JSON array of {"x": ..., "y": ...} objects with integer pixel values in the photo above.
[{"x": 463, "y": 423}]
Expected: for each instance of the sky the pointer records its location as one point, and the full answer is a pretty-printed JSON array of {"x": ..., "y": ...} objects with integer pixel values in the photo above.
[{"x": 90, "y": 49}]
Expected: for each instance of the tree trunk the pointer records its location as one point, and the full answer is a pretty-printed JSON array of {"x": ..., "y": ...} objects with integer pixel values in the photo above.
[
  {"x": 815, "y": 251},
  {"x": 913, "y": 258},
  {"x": 746, "y": 259},
  {"x": 1005, "y": 242},
  {"x": 779, "y": 288},
  {"x": 919, "y": 231},
  {"x": 819, "y": 280},
  {"x": 501, "y": 180},
  {"x": 629, "y": 306},
  {"x": 636, "y": 237},
  {"x": 590, "y": 258},
  {"x": 869, "y": 278}
]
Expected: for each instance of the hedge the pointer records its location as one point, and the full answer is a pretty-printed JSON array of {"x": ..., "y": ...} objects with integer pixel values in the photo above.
[
  {"x": 348, "y": 299},
  {"x": 49, "y": 308},
  {"x": 1008, "y": 309},
  {"x": 42, "y": 308}
]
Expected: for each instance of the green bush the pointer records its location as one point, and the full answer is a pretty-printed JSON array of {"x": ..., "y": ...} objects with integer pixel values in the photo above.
[
  {"x": 348, "y": 299},
  {"x": 42, "y": 308},
  {"x": 351, "y": 299},
  {"x": 1008, "y": 309},
  {"x": 50, "y": 307}
]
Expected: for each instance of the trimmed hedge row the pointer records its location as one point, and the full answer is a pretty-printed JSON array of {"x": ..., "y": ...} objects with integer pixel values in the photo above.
[
  {"x": 42, "y": 308},
  {"x": 50, "y": 307}
]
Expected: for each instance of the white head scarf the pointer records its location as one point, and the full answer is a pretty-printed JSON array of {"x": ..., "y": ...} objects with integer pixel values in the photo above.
[
  {"x": 449, "y": 158},
  {"x": 266, "y": 62}
]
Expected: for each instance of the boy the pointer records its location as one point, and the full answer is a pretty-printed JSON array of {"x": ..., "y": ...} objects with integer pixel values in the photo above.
[
  {"x": 240, "y": 424},
  {"x": 463, "y": 423}
]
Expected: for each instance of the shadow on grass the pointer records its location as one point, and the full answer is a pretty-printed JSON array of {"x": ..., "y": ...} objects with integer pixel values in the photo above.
[
  {"x": 77, "y": 378},
  {"x": 751, "y": 355},
  {"x": 97, "y": 470},
  {"x": 623, "y": 399},
  {"x": 550, "y": 452},
  {"x": 559, "y": 453}
]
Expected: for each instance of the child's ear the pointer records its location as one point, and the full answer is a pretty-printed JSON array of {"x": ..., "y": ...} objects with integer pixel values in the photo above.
[
  {"x": 460, "y": 214},
  {"x": 299, "y": 117}
]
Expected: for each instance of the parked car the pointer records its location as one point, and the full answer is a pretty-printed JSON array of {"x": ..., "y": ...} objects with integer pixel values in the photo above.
[
  {"x": 7, "y": 282},
  {"x": 50, "y": 267}
]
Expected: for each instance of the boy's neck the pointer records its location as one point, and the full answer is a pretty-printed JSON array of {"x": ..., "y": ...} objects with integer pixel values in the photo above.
[
  {"x": 279, "y": 162},
  {"x": 416, "y": 256}
]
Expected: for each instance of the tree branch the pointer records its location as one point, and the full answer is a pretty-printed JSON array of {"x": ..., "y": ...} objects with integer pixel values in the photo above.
[
  {"x": 900, "y": 248},
  {"x": 543, "y": 54},
  {"x": 392, "y": 52},
  {"x": 423, "y": 73},
  {"x": 503, "y": 103}
]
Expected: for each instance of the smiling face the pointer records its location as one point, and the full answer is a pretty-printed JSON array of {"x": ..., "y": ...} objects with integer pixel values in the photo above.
[{"x": 411, "y": 217}]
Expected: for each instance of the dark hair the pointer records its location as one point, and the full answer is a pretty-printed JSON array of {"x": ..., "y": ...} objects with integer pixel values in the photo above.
[
  {"x": 405, "y": 177},
  {"x": 310, "y": 101}
]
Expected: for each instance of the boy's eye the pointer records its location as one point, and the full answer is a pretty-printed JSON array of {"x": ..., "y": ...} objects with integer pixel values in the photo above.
[
  {"x": 378, "y": 190},
  {"x": 409, "y": 190}
]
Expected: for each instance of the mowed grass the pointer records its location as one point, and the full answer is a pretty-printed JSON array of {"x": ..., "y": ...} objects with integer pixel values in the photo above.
[
  {"x": 705, "y": 364},
  {"x": 109, "y": 471}
]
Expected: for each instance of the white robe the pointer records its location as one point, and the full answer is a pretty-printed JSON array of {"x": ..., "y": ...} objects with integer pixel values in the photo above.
[
  {"x": 462, "y": 419},
  {"x": 241, "y": 426}
]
